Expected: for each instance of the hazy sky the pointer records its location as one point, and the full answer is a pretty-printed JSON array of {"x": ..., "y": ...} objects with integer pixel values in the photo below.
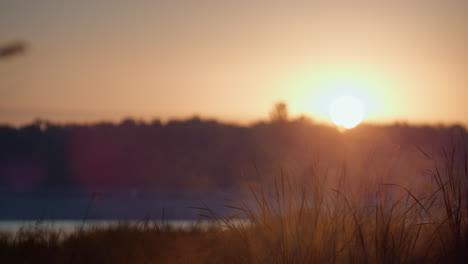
[{"x": 94, "y": 60}]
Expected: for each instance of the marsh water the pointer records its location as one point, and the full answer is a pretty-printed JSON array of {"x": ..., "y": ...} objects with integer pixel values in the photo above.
[
  {"x": 69, "y": 226},
  {"x": 68, "y": 209}
]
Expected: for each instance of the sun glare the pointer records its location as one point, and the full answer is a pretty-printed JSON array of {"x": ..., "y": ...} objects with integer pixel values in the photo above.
[{"x": 346, "y": 111}]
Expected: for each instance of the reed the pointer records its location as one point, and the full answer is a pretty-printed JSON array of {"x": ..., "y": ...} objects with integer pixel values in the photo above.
[{"x": 287, "y": 221}]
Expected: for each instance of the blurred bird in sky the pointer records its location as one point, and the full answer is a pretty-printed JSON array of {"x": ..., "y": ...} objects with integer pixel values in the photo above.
[{"x": 12, "y": 49}]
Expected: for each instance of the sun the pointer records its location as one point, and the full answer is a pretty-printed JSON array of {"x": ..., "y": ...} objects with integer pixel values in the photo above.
[{"x": 346, "y": 111}]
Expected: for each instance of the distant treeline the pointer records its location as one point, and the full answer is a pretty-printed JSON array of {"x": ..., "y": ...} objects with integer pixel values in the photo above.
[{"x": 197, "y": 153}]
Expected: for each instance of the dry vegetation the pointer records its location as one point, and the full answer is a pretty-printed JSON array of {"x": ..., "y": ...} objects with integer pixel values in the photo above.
[{"x": 289, "y": 221}]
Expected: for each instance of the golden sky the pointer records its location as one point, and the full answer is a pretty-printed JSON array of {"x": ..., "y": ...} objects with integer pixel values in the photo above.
[{"x": 93, "y": 60}]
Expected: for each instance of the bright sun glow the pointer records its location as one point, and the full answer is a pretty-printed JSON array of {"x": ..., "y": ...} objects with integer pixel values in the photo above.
[{"x": 346, "y": 111}]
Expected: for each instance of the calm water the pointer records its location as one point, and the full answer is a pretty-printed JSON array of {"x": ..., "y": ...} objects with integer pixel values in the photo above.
[
  {"x": 68, "y": 226},
  {"x": 65, "y": 209},
  {"x": 110, "y": 204}
]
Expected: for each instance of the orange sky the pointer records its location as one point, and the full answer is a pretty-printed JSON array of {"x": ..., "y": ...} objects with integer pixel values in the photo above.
[{"x": 106, "y": 60}]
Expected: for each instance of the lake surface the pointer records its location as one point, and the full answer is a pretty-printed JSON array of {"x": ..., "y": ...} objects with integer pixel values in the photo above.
[
  {"x": 68, "y": 226},
  {"x": 112, "y": 204}
]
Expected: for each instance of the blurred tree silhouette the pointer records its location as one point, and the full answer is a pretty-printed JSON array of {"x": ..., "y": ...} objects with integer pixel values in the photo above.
[
  {"x": 196, "y": 153},
  {"x": 279, "y": 112}
]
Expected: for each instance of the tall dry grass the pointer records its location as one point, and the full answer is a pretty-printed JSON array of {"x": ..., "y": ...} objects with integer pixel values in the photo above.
[
  {"x": 317, "y": 220},
  {"x": 311, "y": 222}
]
